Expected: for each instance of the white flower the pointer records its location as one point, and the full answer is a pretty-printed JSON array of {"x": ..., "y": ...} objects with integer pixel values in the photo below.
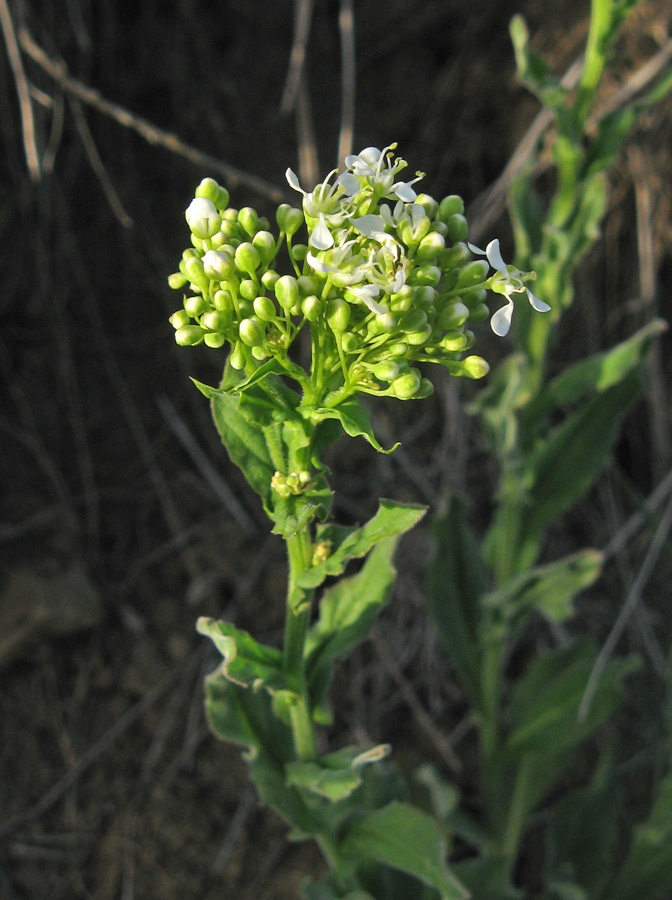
[
  {"x": 366, "y": 293},
  {"x": 507, "y": 280},
  {"x": 333, "y": 200},
  {"x": 379, "y": 170},
  {"x": 203, "y": 218}
]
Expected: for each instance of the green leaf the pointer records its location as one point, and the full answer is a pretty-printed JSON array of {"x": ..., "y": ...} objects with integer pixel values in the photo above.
[
  {"x": 293, "y": 513},
  {"x": 533, "y": 70},
  {"x": 487, "y": 877},
  {"x": 401, "y": 836},
  {"x": 457, "y": 578},
  {"x": 347, "y": 543},
  {"x": 354, "y": 418},
  {"x": 246, "y": 662},
  {"x": 545, "y": 701},
  {"x": 548, "y": 590},
  {"x": 647, "y": 870},
  {"x": 337, "y": 775},
  {"x": 347, "y": 612}
]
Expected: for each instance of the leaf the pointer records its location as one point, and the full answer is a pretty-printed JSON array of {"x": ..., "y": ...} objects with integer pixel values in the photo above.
[
  {"x": 354, "y": 418},
  {"x": 533, "y": 71},
  {"x": 545, "y": 701},
  {"x": 337, "y": 775},
  {"x": 457, "y": 578},
  {"x": 346, "y": 543},
  {"x": 246, "y": 662},
  {"x": 548, "y": 590},
  {"x": 293, "y": 513},
  {"x": 347, "y": 612},
  {"x": 400, "y": 836},
  {"x": 647, "y": 870},
  {"x": 487, "y": 877}
]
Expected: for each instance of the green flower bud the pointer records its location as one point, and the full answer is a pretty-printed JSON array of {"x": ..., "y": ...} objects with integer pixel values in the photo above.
[
  {"x": 413, "y": 320},
  {"x": 218, "y": 241},
  {"x": 264, "y": 309},
  {"x": 479, "y": 313},
  {"x": 387, "y": 370},
  {"x": 440, "y": 228},
  {"x": 473, "y": 273},
  {"x": 458, "y": 228},
  {"x": 430, "y": 246},
  {"x": 247, "y": 258},
  {"x": 245, "y": 308},
  {"x": 307, "y": 285},
  {"x": 351, "y": 343},
  {"x": 237, "y": 358},
  {"x": 296, "y": 309},
  {"x": 420, "y": 337},
  {"x": 402, "y": 301},
  {"x": 430, "y": 275},
  {"x": 475, "y": 367},
  {"x": 215, "y": 321},
  {"x": 412, "y": 236},
  {"x": 251, "y": 332},
  {"x": 223, "y": 302},
  {"x": 338, "y": 314},
  {"x": 202, "y": 218},
  {"x": 453, "y": 315},
  {"x": 177, "y": 281},
  {"x": 406, "y": 386},
  {"x": 428, "y": 203},
  {"x": 450, "y": 206},
  {"x": 248, "y": 289},
  {"x": 425, "y": 390},
  {"x": 209, "y": 189},
  {"x": 194, "y": 306},
  {"x": 311, "y": 307},
  {"x": 425, "y": 297},
  {"x": 189, "y": 336},
  {"x": 455, "y": 256},
  {"x": 400, "y": 349},
  {"x": 269, "y": 278},
  {"x": 196, "y": 274},
  {"x": 229, "y": 229},
  {"x": 289, "y": 219},
  {"x": 474, "y": 298},
  {"x": 300, "y": 251},
  {"x": 265, "y": 244},
  {"x": 259, "y": 353},
  {"x": 214, "y": 340},
  {"x": 180, "y": 319},
  {"x": 287, "y": 291},
  {"x": 454, "y": 341},
  {"x": 248, "y": 218},
  {"x": 218, "y": 265},
  {"x": 230, "y": 215}
]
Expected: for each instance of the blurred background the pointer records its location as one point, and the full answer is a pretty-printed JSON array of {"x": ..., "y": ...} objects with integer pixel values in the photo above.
[{"x": 121, "y": 520}]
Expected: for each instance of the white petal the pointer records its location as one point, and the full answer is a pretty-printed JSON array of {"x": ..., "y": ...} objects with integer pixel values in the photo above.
[
  {"x": 349, "y": 182},
  {"x": 417, "y": 214},
  {"x": 386, "y": 213},
  {"x": 399, "y": 282},
  {"x": 316, "y": 264},
  {"x": 501, "y": 320},
  {"x": 321, "y": 238},
  {"x": 366, "y": 293},
  {"x": 495, "y": 257},
  {"x": 371, "y": 155},
  {"x": 536, "y": 303},
  {"x": 370, "y": 226},
  {"x": 293, "y": 182},
  {"x": 475, "y": 249},
  {"x": 405, "y": 192}
]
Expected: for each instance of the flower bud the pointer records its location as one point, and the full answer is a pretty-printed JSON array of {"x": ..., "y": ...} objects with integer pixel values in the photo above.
[
  {"x": 259, "y": 353},
  {"x": 214, "y": 340},
  {"x": 430, "y": 275},
  {"x": 209, "y": 189},
  {"x": 265, "y": 244},
  {"x": 269, "y": 278},
  {"x": 194, "y": 306},
  {"x": 248, "y": 218},
  {"x": 387, "y": 370},
  {"x": 420, "y": 337},
  {"x": 475, "y": 367},
  {"x": 428, "y": 203},
  {"x": 179, "y": 319},
  {"x": 229, "y": 229},
  {"x": 425, "y": 297},
  {"x": 455, "y": 256},
  {"x": 223, "y": 302},
  {"x": 289, "y": 219},
  {"x": 287, "y": 291},
  {"x": 247, "y": 289},
  {"x": 311, "y": 307},
  {"x": 338, "y": 314},
  {"x": 473, "y": 273},
  {"x": 300, "y": 251},
  {"x": 430, "y": 246},
  {"x": 425, "y": 390},
  {"x": 400, "y": 349},
  {"x": 196, "y": 274},
  {"x": 247, "y": 258},
  {"x": 406, "y": 386},
  {"x": 218, "y": 265},
  {"x": 307, "y": 284},
  {"x": 202, "y": 218},
  {"x": 413, "y": 320},
  {"x": 264, "y": 309},
  {"x": 251, "y": 332},
  {"x": 237, "y": 358},
  {"x": 189, "y": 335},
  {"x": 351, "y": 343},
  {"x": 453, "y": 315},
  {"x": 453, "y": 341},
  {"x": 474, "y": 298},
  {"x": 177, "y": 281},
  {"x": 450, "y": 206},
  {"x": 440, "y": 228},
  {"x": 479, "y": 313},
  {"x": 458, "y": 228},
  {"x": 214, "y": 321}
]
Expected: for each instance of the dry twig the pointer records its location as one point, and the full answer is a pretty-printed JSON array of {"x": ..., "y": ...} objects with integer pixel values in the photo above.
[
  {"x": 22, "y": 90},
  {"x": 346, "y": 24}
]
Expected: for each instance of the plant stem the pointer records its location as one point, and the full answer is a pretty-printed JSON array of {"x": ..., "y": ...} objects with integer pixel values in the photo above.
[
  {"x": 515, "y": 824},
  {"x": 299, "y": 552}
]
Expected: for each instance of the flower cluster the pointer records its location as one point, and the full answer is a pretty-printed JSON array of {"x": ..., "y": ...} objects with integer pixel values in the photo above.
[{"x": 384, "y": 281}]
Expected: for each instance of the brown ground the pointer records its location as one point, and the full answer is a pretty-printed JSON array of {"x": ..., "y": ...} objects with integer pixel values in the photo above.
[{"x": 112, "y": 541}]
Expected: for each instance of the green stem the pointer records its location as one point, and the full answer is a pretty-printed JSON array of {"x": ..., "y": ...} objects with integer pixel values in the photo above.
[
  {"x": 515, "y": 824},
  {"x": 600, "y": 22},
  {"x": 299, "y": 553}
]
